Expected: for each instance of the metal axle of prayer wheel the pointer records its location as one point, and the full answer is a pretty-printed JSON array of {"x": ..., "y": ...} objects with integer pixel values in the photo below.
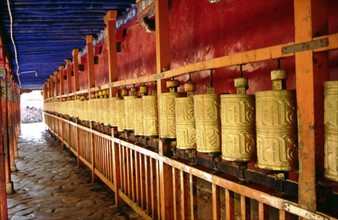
[
  {"x": 185, "y": 122},
  {"x": 121, "y": 116},
  {"x": 238, "y": 123},
  {"x": 331, "y": 130},
  {"x": 276, "y": 125},
  {"x": 207, "y": 118},
  {"x": 138, "y": 111},
  {"x": 167, "y": 111}
]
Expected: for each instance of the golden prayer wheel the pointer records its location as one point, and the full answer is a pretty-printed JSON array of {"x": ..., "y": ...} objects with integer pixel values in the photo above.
[
  {"x": 150, "y": 121},
  {"x": 138, "y": 117},
  {"x": 99, "y": 110},
  {"x": 331, "y": 130},
  {"x": 112, "y": 112},
  {"x": 167, "y": 111},
  {"x": 121, "y": 116},
  {"x": 206, "y": 112},
  {"x": 185, "y": 123},
  {"x": 106, "y": 112},
  {"x": 129, "y": 109},
  {"x": 238, "y": 124},
  {"x": 86, "y": 109},
  {"x": 276, "y": 126}
]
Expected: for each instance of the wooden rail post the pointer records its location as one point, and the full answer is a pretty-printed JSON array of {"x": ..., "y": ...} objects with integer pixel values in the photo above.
[
  {"x": 62, "y": 81},
  {"x": 311, "y": 17},
  {"x": 55, "y": 85},
  {"x": 116, "y": 169},
  {"x": 69, "y": 76}
]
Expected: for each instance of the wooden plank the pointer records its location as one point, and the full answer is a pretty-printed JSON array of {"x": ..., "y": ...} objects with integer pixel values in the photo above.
[
  {"x": 152, "y": 188},
  {"x": 142, "y": 180},
  {"x": 193, "y": 197},
  {"x": 174, "y": 190},
  {"x": 127, "y": 164},
  {"x": 309, "y": 86},
  {"x": 116, "y": 167},
  {"x": 229, "y": 205},
  {"x": 124, "y": 172},
  {"x": 216, "y": 213},
  {"x": 90, "y": 61},
  {"x": 137, "y": 177},
  {"x": 92, "y": 151},
  {"x": 147, "y": 183},
  {"x": 158, "y": 211},
  {"x": 183, "y": 198},
  {"x": 245, "y": 207}
]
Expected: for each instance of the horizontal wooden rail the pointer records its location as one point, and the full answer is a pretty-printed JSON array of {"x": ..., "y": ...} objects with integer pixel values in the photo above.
[{"x": 136, "y": 173}]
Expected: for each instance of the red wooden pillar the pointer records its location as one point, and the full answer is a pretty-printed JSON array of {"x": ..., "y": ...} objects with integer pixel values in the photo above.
[
  {"x": 75, "y": 54},
  {"x": 69, "y": 76},
  {"x": 311, "y": 17},
  {"x": 90, "y": 61},
  {"x": 162, "y": 63},
  {"x": 3, "y": 179},
  {"x": 110, "y": 21},
  {"x": 10, "y": 125},
  {"x": 61, "y": 77}
]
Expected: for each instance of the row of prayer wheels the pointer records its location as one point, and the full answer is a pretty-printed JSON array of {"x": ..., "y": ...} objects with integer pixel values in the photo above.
[{"x": 242, "y": 127}]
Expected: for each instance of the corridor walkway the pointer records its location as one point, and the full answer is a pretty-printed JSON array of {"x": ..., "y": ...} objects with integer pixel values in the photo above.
[{"x": 49, "y": 185}]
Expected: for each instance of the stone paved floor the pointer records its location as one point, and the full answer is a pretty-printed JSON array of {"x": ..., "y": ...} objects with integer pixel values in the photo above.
[{"x": 50, "y": 186}]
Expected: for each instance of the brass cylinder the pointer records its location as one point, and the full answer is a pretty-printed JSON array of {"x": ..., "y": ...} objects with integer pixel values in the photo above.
[
  {"x": 112, "y": 112},
  {"x": 331, "y": 130},
  {"x": 138, "y": 117},
  {"x": 129, "y": 112},
  {"x": 276, "y": 127},
  {"x": 106, "y": 111},
  {"x": 121, "y": 116},
  {"x": 150, "y": 121},
  {"x": 238, "y": 127},
  {"x": 185, "y": 123},
  {"x": 206, "y": 111},
  {"x": 167, "y": 115}
]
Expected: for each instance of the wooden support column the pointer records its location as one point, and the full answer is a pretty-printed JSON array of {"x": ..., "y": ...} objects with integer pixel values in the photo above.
[
  {"x": 311, "y": 72},
  {"x": 163, "y": 63},
  {"x": 69, "y": 76},
  {"x": 3, "y": 182},
  {"x": 61, "y": 77},
  {"x": 55, "y": 89},
  {"x": 75, "y": 54},
  {"x": 110, "y": 21},
  {"x": 90, "y": 61}
]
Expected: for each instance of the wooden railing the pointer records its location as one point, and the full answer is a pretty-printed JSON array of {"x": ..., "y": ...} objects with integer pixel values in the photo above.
[{"x": 159, "y": 187}]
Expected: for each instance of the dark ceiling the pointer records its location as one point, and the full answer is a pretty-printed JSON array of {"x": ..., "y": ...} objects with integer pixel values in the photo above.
[{"x": 45, "y": 32}]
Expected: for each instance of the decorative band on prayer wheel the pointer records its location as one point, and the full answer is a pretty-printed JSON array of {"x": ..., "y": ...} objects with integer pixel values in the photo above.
[
  {"x": 121, "y": 117},
  {"x": 112, "y": 112},
  {"x": 206, "y": 112},
  {"x": 167, "y": 115},
  {"x": 138, "y": 116},
  {"x": 276, "y": 127},
  {"x": 185, "y": 123},
  {"x": 129, "y": 112},
  {"x": 238, "y": 127},
  {"x": 150, "y": 121},
  {"x": 106, "y": 111},
  {"x": 331, "y": 130}
]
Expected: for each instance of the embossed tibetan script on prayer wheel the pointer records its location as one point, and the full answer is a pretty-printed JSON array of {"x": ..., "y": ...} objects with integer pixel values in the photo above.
[
  {"x": 206, "y": 112},
  {"x": 112, "y": 112},
  {"x": 276, "y": 126},
  {"x": 331, "y": 130},
  {"x": 150, "y": 121},
  {"x": 121, "y": 116},
  {"x": 129, "y": 109},
  {"x": 138, "y": 112},
  {"x": 238, "y": 124},
  {"x": 185, "y": 123},
  {"x": 167, "y": 111}
]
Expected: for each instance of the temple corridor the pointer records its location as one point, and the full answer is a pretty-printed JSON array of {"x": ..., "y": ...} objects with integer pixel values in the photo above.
[{"x": 49, "y": 185}]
